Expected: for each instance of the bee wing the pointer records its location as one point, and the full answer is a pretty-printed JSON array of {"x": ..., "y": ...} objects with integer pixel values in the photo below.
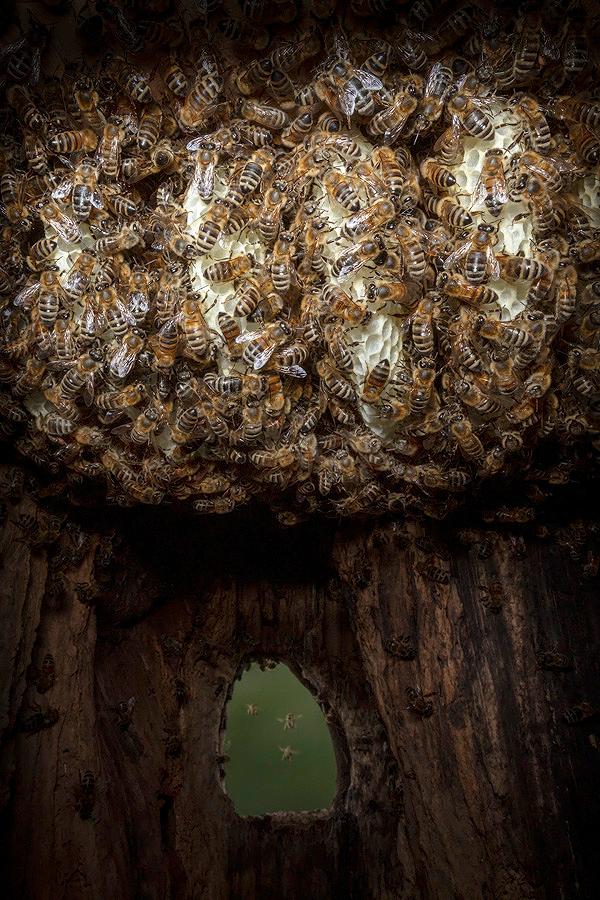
[
  {"x": 62, "y": 190},
  {"x": 492, "y": 262},
  {"x": 368, "y": 80},
  {"x": 123, "y": 431},
  {"x": 11, "y": 48},
  {"x": 27, "y": 294},
  {"x": 125, "y": 312},
  {"x": 457, "y": 255},
  {"x": 263, "y": 358},
  {"x": 88, "y": 391},
  {"x": 347, "y": 99},
  {"x": 203, "y": 180},
  {"x": 96, "y": 199},
  {"x": 351, "y": 265},
  {"x": 196, "y": 143},
  {"x": 139, "y": 301},
  {"x": 432, "y": 77},
  {"x": 293, "y": 371},
  {"x": 65, "y": 227},
  {"x": 122, "y": 361},
  {"x": 246, "y": 336},
  {"x": 36, "y": 62}
]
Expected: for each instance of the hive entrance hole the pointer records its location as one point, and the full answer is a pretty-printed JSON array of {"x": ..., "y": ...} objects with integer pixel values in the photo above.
[{"x": 281, "y": 756}]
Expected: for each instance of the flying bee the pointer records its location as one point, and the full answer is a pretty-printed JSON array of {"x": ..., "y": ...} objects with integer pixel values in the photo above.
[
  {"x": 53, "y": 217},
  {"x": 480, "y": 261},
  {"x": 375, "y": 381},
  {"x": 225, "y": 270},
  {"x": 206, "y": 159},
  {"x": 261, "y": 345},
  {"x": 82, "y": 186},
  {"x": 473, "y": 119},
  {"x": 40, "y": 252},
  {"x": 23, "y": 57},
  {"x": 477, "y": 295},
  {"x": 390, "y": 121},
  {"x": 109, "y": 149},
  {"x": 266, "y": 116},
  {"x": 490, "y": 189},
  {"x": 73, "y": 141}
]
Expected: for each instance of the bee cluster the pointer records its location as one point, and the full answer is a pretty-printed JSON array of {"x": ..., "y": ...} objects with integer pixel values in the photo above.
[{"x": 351, "y": 271}]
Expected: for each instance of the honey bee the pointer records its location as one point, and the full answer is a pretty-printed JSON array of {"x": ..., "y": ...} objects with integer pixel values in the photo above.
[
  {"x": 206, "y": 159},
  {"x": 20, "y": 99},
  {"x": 150, "y": 126},
  {"x": 375, "y": 381},
  {"x": 472, "y": 117},
  {"x": 201, "y": 98},
  {"x": 422, "y": 327},
  {"x": 477, "y": 295},
  {"x": 128, "y": 396},
  {"x": 53, "y": 217},
  {"x": 261, "y": 345},
  {"x": 266, "y": 116},
  {"x": 212, "y": 226},
  {"x": 334, "y": 381},
  {"x": 351, "y": 260},
  {"x": 370, "y": 219},
  {"x": 40, "y": 252},
  {"x": 540, "y": 206},
  {"x": 132, "y": 82},
  {"x": 281, "y": 268},
  {"x": 341, "y": 189},
  {"x": 11, "y": 193},
  {"x": 73, "y": 141},
  {"x": 124, "y": 358},
  {"x": 174, "y": 77},
  {"x": 503, "y": 333},
  {"x": 352, "y": 86},
  {"x": 255, "y": 170},
  {"x": 109, "y": 150},
  {"x": 80, "y": 275},
  {"x": 586, "y": 144},
  {"x": 389, "y": 122},
  {"x": 124, "y": 239},
  {"x": 534, "y": 122},
  {"x": 298, "y": 129},
  {"x": 575, "y": 109},
  {"x": 448, "y": 210},
  {"x": 35, "y": 152},
  {"x": 491, "y": 189},
  {"x": 228, "y": 269},
  {"x": 480, "y": 261},
  {"x": 82, "y": 186}
]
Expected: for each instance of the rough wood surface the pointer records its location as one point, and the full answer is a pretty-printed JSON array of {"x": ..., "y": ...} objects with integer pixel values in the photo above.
[{"x": 492, "y": 795}]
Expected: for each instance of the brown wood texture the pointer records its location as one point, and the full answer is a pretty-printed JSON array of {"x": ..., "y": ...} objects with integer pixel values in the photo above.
[{"x": 488, "y": 794}]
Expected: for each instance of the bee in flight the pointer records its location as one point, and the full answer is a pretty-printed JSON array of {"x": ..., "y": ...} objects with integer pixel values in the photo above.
[{"x": 290, "y": 720}]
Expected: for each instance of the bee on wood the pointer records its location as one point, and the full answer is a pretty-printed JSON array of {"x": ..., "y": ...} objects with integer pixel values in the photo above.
[
  {"x": 39, "y": 720},
  {"x": 418, "y": 702}
]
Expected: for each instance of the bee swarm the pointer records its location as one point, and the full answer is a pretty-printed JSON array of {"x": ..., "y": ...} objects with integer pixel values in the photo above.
[{"x": 352, "y": 272}]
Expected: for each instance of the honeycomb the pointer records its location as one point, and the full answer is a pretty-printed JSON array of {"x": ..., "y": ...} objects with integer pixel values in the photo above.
[{"x": 312, "y": 434}]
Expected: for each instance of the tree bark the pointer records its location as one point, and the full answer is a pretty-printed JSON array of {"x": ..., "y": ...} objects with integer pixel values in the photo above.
[{"x": 474, "y": 787}]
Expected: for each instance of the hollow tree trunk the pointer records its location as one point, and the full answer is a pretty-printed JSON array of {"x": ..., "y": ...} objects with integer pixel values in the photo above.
[{"x": 482, "y": 790}]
